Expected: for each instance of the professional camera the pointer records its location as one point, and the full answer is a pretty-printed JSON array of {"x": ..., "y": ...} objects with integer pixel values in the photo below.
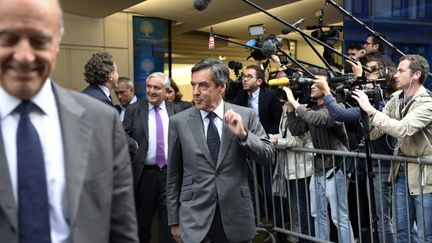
[
  {"x": 344, "y": 92},
  {"x": 233, "y": 86},
  {"x": 267, "y": 45}
]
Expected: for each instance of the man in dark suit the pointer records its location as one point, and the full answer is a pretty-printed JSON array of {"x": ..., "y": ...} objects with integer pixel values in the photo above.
[
  {"x": 268, "y": 111},
  {"x": 147, "y": 122},
  {"x": 207, "y": 188},
  {"x": 262, "y": 100},
  {"x": 65, "y": 174},
  {"x": 102, "y": 75}
]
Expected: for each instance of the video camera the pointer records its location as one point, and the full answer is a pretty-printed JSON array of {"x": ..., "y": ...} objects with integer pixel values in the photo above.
[
  {"x": 344, "y": 92},
  {"x": 268, "y": 45},
  {"x": 234, "y": 86}
]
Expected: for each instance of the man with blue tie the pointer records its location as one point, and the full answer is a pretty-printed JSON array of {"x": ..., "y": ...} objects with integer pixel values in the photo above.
[
  {"x": 65, "y": 174},
  {"x": 146, "y": 121}
]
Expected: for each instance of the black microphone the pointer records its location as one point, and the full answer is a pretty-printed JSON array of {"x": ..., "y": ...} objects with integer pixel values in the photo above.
[
  {"x": 288, "y": 29},
  {"x": 201, "y": 4},
  {"x": 268, "y": 48}
]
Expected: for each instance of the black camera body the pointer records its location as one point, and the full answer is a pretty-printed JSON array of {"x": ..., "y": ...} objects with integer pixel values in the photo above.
[{"x": 344, "y": 92}]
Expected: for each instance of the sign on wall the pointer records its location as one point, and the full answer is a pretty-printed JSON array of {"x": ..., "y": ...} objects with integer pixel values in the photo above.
[{"x": 151, "y": 48}]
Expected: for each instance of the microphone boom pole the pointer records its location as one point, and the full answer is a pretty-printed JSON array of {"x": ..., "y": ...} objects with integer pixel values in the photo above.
[
  {"x": 343, "y": 11},
  {"x": 304, "y": 35}
]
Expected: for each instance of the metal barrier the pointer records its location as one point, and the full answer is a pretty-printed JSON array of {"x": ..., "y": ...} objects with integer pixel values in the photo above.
[{"x": 285, "y": 214}]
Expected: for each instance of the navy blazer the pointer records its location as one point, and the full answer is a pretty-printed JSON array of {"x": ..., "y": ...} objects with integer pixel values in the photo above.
[{"x": 269, "y": 108}]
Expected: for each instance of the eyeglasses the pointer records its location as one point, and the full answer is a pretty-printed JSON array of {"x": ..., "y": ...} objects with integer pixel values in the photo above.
[
  {"x": 369, "y": 43},
  {"x": 248, "y": 77}
]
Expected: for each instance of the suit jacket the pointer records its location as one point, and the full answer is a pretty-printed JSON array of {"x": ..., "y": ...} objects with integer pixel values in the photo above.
[
  {"x": 136, "y": 125},
  {"x": 97, "y": 93},
  {"x": 98, "y": 175},
  {"x": 269, "y": 108},
  {"x": 195, "y": 185}
]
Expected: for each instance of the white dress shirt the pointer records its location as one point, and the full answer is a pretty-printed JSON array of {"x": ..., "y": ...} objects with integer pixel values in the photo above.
[
  {"x": 254, "y": 102},
  {"x": 218, "y": 120},
  {"x": 47, "y": 123},
  {"x": 151, "y": 152}
]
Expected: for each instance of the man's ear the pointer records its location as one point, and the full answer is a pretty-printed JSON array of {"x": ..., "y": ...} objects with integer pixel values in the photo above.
[
  {"x": 259, "y": 81},
  {"x": 417, "y": 75}
]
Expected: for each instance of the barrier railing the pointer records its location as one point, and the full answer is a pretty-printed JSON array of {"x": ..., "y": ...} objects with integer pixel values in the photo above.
[{"x": 296, "y": 210}]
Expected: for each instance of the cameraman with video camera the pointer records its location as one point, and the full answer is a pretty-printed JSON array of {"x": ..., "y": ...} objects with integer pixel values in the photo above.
[
  {"x": 383, "y": 145},
  {"x": 328, "y": 183}
]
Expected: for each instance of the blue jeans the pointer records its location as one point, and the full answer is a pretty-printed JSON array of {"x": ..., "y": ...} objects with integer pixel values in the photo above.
[
  {"x": 334, "y": 191},
  {"x": 409, "y": 209},
  {"x": 299, "y": 189},
  {"x": 382, "y": 193}
]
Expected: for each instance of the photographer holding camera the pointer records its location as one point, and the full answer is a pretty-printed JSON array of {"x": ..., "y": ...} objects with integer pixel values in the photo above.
[
  {"x": 408, "y": 117},
  {"x": 383, "y": 145},
  {"x": 328, "y": 182}
]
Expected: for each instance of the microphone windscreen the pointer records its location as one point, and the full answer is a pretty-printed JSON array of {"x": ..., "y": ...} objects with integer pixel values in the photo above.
[
  {"x": 286, "y": 30},
  {"x": 279, "y": 82},
  {"x": 201, "y": 4},
  {"x": 268, "y": 48}
]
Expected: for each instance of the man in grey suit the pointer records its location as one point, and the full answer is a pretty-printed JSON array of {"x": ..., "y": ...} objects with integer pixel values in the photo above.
[
  {"x": 208, "y": 196},
  {"x": 65, "y": 174},
  {"x": 149, "y": 165}
]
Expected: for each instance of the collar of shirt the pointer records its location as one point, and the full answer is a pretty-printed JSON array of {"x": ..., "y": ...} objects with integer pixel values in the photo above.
[
  {"x": 44, "y": 99},
  {"x": 219, "y": 111},
  {"x": 133, "y": 100},
  {"x": 105, "y": 89},
  {"x": 162, "y": 106},
  {"x": 255, "y": 93}
]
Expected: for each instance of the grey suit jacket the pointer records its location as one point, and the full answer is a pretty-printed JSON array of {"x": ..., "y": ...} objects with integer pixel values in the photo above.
[
  {"x": 98, "y": 174},
  {"x": 135, "y": 123},
  {"x": 195, "y": 185}
]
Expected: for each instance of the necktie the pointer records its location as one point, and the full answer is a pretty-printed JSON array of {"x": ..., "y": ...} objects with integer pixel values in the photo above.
[
  {"x": 213, "y": 139},
  {"x": 160, "y": 146},
  {"x": 33, "y": 208}
]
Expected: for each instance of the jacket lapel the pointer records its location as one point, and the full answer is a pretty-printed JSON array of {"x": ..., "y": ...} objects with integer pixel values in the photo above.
[
  {"x": 226, "y": 139},
  {"x": 7, "y": 201},
  {"x": 143, "y": 110},
  {"x": 197, "y": 129},
  {"x": 77, "y": 142}
]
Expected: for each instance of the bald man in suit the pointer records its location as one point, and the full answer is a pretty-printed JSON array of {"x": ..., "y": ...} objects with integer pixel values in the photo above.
[{"x": 65, "y": 173}]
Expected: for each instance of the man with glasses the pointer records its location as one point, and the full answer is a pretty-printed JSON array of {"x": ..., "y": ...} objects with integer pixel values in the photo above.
[
  {"x": 268, "y": 111},
  {"x": 374, "y": 46}
]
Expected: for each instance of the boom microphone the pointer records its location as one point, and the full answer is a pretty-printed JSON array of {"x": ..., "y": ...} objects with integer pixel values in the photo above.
[
  {"x": 201, "y": 4},
  {"x": 288, "y": 29},
  {"x": 294, "y": 80},
  {"x": 284, "y": 81},
  {"x": 268, "y": 48}
]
